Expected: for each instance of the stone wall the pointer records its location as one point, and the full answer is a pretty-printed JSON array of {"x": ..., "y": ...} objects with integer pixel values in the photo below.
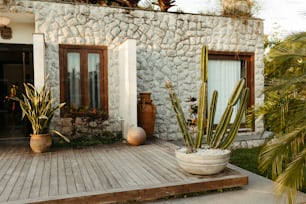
[{"x": 168, "y": 47}]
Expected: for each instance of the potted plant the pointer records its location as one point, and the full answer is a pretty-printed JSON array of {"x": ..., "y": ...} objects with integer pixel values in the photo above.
[
  {"x": 213, "y": 159},
  {"x": 238, "y": 7},
  {"x": 38, "y": 107},
  {"x": 12, "y": 108}
]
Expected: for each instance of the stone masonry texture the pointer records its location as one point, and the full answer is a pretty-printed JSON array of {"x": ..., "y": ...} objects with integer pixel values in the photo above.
[{"x": 168, "y": 48}]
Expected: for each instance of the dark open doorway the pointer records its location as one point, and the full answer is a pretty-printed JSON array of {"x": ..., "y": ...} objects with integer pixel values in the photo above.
[{"x": 16, "y": 67}]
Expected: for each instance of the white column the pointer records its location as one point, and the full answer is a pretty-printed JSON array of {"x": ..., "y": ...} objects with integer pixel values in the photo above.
[
  {"x": 39, "y": 60},
  {"x": 128, "y": 84}
]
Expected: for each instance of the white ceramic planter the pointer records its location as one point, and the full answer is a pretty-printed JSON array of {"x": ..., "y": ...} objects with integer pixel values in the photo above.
[{"x": 204, "y": 161}]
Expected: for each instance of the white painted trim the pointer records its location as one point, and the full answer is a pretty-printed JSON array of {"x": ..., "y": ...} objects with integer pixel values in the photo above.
[
  {"x": 39, "y": 60},
  {"x": 128, "y": 84}
]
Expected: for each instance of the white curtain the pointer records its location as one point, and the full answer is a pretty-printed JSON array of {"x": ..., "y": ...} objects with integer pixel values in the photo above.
[
  {"x": 74, "y": 78},
  {"x": 94, "y": 80},
  {"x": 223, "y": 76}
]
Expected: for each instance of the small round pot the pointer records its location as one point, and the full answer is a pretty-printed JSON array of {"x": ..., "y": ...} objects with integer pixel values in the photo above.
[
  {"x": 40, "y": 143},
  {"x": 204, "y": 161},
  {"x": 136, "y": 136}
]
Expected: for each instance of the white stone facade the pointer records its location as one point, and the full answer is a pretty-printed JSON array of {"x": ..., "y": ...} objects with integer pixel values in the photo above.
[{"x": 168, "y": 46}]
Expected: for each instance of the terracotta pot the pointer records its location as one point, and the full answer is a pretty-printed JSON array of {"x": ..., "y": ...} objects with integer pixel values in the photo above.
[
  {"x": 136, "y": 136},
  {"x": 146, "y": 113},
  {"x": 40, "y": 143},
  {"x": 203, "y": 162}
]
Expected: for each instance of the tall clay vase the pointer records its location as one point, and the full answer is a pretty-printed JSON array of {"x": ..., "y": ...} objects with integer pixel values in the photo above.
[
  {"x": 40, "y": 143},
  {"x": 146, "y": 112}
]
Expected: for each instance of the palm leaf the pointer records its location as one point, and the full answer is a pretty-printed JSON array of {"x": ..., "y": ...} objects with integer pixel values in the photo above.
[
  {"x": 284, "y": 112},
  {"x": 277, "y": 148},
  {"x": 293, "y": 177}
]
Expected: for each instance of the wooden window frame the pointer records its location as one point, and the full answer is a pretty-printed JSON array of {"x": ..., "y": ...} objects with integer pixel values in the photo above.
[
  {"x": 84, "y": 50},
  {"x": 242, "y": 56}
]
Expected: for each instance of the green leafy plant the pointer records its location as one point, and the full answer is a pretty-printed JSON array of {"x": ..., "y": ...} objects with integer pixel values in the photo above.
[
  {"x": 284, "y": 111},
  {"x": 38, "y": 107},
  {"x": 225, "y": 133}
]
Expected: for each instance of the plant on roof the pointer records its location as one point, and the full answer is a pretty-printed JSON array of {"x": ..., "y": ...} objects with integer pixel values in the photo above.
[
  {"x": 165, "y": 5},
  {"x": 244, "y": 8},
  {"x": 128, "y": 3}
]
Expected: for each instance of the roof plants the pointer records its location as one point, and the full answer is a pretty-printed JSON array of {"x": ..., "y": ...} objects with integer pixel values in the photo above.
[{"x": 239, "y": 8}]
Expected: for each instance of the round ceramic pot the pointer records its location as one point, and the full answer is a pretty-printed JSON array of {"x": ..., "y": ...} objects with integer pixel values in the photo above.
[
  {"x": 40, "y": 143},
  {"x": 204, "y": 161},
  {"x": 136, "y": 136}
]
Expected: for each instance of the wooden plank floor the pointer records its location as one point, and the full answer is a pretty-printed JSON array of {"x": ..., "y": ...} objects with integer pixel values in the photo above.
[{"x": 108, "y": 173}]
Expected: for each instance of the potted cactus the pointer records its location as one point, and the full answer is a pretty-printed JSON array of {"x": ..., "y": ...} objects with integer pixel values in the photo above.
[{"x": 205, "y": 161}]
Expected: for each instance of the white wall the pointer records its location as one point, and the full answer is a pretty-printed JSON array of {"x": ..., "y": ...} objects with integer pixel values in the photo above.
[
  {"x": 128, "y": 85},
  {"x": 39, "y": 60},
  {"x": 22, "y": 33}
]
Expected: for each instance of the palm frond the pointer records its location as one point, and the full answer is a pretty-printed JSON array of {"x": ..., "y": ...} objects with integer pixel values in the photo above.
[
  {"x": 278, "y": 151},
  {"x": 293, "y": 177},
  {"x": 284, "y": 113}
]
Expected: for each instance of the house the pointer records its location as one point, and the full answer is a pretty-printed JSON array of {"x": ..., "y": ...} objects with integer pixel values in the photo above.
[{"x": 103, "y": 57}]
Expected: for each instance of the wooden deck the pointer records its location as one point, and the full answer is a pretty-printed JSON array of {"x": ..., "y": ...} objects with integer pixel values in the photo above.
[{"x": 112, "y": 173}]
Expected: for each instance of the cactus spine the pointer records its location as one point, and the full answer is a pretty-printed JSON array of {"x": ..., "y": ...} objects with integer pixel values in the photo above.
[{"x": 223, "y": 136}]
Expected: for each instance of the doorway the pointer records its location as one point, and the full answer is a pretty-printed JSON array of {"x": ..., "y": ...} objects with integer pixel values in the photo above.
[{"x": 16, "y": 67}]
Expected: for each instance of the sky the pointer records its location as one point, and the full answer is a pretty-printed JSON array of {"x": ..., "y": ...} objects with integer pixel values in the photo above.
[{"x": 285, "y": 16}]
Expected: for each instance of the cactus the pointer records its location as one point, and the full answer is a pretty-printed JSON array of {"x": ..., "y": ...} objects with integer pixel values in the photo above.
[
  {"x": 224, "y": 135},
  {"x": 202, "y": 99},
  {"x": 222, "y": 138},
  {"x": 180, "y": 118}
]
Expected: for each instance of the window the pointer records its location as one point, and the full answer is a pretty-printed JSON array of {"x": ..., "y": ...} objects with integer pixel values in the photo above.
[
  {"x": 225, "y": 70},
  {"x": 83, "y": 76}
]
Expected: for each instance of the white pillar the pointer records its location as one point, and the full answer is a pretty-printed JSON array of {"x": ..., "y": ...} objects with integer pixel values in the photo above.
[
  {"x": 39, "y": 60},
  {"x": 128, "y": 84}
]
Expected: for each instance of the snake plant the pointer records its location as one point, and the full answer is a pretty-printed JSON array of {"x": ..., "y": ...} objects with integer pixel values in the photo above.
[{"x": 38, "y": 107}]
